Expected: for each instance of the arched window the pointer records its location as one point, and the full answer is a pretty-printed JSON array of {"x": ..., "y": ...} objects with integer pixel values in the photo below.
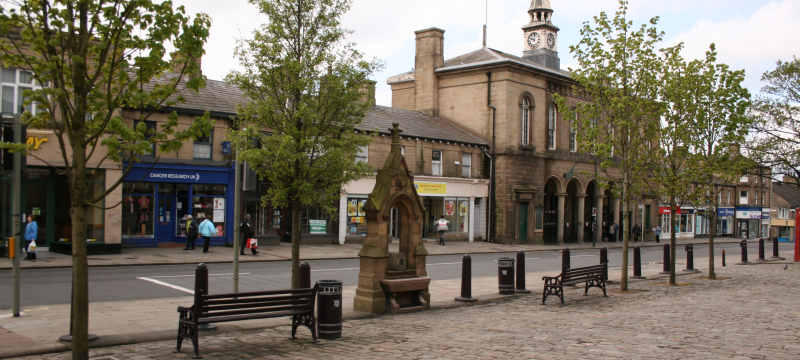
[
  {"x": 551, "y": 127},
  {"x": 525, "y": 122}
]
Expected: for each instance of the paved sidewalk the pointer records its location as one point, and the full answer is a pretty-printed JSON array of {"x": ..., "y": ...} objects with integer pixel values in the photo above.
[
  {"x": 750, "y": 315},
  {"x": 127, "y": 322},
  {"x": 172, "y": 256}
]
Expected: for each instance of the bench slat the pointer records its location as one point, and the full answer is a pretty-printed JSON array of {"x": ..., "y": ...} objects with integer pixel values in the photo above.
[
  {"x": 250, "y": 316},
  {"x": 259, "y": 293},
  {"x": 305, "y": 307},
  {"x": 241, "y": 300},
  {"x": 263, "y": 304}
]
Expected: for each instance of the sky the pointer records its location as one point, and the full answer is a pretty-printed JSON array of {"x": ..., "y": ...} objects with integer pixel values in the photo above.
[{"x": 749, "y": 34}]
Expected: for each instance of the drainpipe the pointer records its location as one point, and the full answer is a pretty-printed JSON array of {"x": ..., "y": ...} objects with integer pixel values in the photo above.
[
  {"x": 492, "y": 184},
  {"x": 489, "y": 204}
]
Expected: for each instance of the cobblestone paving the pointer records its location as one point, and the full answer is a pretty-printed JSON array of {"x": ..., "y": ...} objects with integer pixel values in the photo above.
[{"x": 752, "y": 315}]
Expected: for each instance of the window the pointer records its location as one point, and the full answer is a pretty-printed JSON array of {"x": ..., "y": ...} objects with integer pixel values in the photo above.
[
  {"x": 551, "y": 128},
  {"x": 356, "y": 217},
  {"x": 202, "y": 146},
  {"x": 138, "y": 203},
  {"x": 743, "y": 198},
  {"x": 743, "y": 179},
  {"x": 612, "y": 141},
  {"x": 466, "y": 165},
  {"x": 729, "y": 197},
  {"x": 436, "y": 163},
  {"x": 14, "y": 83},
  {"x": 783, "y": 213},
  {"x": 525, "y": 127},
  {"x": 403, "y": 150},
  {"x": 719, "y": 197},
  {"x": 362, "y": 154},
  {"x": 573, "y": 136},
  {"x": 755, "y": 197},
  {"x": 150, "y": 130}
]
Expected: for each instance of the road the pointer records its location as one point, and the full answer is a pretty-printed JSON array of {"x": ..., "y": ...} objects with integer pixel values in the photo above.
[{"x": 52, "y": 286}]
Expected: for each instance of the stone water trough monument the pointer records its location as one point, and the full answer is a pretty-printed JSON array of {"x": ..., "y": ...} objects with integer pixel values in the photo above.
[{"x": 393, "y": 282}]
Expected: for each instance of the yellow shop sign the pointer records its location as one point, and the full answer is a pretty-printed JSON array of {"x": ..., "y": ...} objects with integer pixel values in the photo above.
[
  {"x": 431, "y": 188},
  {"x": 36, "y": 141}
]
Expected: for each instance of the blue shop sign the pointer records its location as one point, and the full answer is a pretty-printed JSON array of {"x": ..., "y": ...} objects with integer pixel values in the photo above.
[
  {"x": 226, "y": 148},
  {"x": 178, "y": 176},
  {"x": 725, "y": 211},
  {"x": 765, "y": 214}
]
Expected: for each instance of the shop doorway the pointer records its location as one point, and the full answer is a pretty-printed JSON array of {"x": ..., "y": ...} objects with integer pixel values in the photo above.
[
  {"x": 523, "y": 223},
  {"x": 166, "y": 224},
  {"x": 434, "y": 208},
  {"x": 37, "y": 202}
]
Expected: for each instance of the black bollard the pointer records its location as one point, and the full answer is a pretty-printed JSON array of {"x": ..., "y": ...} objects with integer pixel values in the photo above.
[
  {"x": 666, "y": 260},
  {"x": 466, "y": 280},
  {"x": 305, "y": 275},
  {"x": 565, "y": 259},
  {"x": 521, "y": 274},
  {"x": 775, "y": 255},
  {"x": 329, "y": 309},
  {"x": 505, "y": 276},
  {"x": 723, "y": 258},
  {"x": 761, "y": 250},
  {"x": 637, "y": 263},
  {"x": 201, "y": 288},
  {"x": 604, "y": 260},
  {"x": 743, "y": 245},
  {"x": 690, "y": 259}
]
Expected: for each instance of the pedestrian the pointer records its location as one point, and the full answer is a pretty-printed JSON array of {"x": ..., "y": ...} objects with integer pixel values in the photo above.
[
  {"x": 441, "y": 226},
  {"x": 246, "y": 231},
  {"x": 207, "y": 230},
  {"x": 191, "y": 232},
  {"x": 657, "y": 233},
  {"x": 612, "y": 232},
  {"x": 637, "y": 232},
  {"x": 31, "y": 232}
]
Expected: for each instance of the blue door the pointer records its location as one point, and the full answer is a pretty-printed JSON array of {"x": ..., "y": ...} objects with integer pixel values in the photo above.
[{"x": 166, "y": 219}]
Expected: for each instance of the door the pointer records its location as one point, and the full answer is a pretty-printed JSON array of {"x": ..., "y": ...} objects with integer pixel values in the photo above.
[
  {"x": 523, "y": 223},
  {"x": 36, "y": 203},
  {"x": 647, "y": 227},
  {"x": 166, "y": 218}
]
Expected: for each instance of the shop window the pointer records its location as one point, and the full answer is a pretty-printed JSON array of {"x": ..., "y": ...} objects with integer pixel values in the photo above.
[
  {"x": 356, "y": 217},
  {"x": 436, "y": 163},
  {"x": 181, "y": 206},
  {"x": 210, "y": 190},
  {"x": 456, "y": 210},
  {"x": 209, "y": 206},
  {"x": 203, "y": 145},
  {"x": 137, "y": 210},
  {"x": 14, "y": 83},
  {"x": 266, "y": 219},
  {"x": 525, "y": 122},
  {"x": 315, "y": 220},
  {"x": 362, "y": 154},
  {"x": 665, "y": 228},
  {"x": 743, "y": 198},
  {"x": 149, "y": 131},
  {"x": 466, "y": 165},
  {"x": 551, "y": 128}
]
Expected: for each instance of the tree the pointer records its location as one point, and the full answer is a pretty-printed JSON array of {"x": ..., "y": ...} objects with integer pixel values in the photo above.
[
  {"x": 96, "y": 57},
  {"x": 618, "y": 68},
  {"x": 775, "y": 140},
  {"x": 306, "y": 87}
]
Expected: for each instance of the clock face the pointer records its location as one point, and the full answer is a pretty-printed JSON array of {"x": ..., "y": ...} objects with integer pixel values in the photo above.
[
  {"x": 551, "y": 40},
  {"x": 533, "y": 40}
]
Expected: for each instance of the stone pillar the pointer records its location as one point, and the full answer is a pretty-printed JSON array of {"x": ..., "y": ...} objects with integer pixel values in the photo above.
[
  {"x": 615, "y": 215},
  {"x": 598, "y": 234},
  {"x": 560, "y": 217},
  {"x": 580, "y": 225},
  {"x": 429, "y": 57}
]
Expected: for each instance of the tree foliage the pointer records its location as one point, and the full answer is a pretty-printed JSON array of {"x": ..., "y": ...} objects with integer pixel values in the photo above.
[
  {"x": 775, "y": 140},
  {"x": 618, "y": 68},
  {"x": 307, "y": 89},
  {"x": 96, "y": 57}
]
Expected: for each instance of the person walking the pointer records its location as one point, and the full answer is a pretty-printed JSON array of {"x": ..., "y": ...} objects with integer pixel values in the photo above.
[
  {"x": 612, "y": 232},
  {"x": 246, "y": 231},
  {"x": 441, "y": 226},
  {"x": 191, "y": 232},
  {"x": 657, "y": 233},
  {"x": 31, "y": 233},
  {"x": 637, "y": 232},
  {"x": 207, "y": 230}
]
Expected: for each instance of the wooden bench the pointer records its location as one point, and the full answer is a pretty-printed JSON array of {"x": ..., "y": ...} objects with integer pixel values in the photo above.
[
  {"x": 207, "y": 309},
  {"x": 593, "y": 276}
]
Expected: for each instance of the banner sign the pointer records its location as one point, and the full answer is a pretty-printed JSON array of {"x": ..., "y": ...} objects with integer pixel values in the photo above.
[
  {"x": 431, "y": 188},
  {"x": 178, "y": 176},
  {"x": 725, "y": 211}
]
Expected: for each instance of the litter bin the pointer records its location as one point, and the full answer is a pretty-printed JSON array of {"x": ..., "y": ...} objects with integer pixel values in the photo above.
[
  {"x": 505, "y": 275},
  {"x": 329, "y": 309}
]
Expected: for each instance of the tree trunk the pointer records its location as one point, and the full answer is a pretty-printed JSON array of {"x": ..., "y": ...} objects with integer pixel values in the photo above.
[
  {"x": 625, "y": 226},
  {"x": 80, "y": 274},
  {"x": 712, "y": 231},
  {"x": 672, "y": 241},
  {"x": 296, "y": 244}
]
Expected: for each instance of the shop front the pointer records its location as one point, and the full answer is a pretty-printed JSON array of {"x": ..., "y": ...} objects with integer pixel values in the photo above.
[
  {"x": 725, "y": 221},
  {"x": 684, "y": 222},
  {"x": 701, "y": 222},
  {"x": 458, "y": 200},
  {"x": 748, "y": 222},
  {"x": 157, "y": 201}
]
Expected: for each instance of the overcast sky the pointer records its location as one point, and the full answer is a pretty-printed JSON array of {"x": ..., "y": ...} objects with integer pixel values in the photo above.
[{"x": 749, "y": 34}]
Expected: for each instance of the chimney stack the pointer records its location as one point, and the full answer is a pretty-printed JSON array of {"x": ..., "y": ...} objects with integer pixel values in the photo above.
[{"x": 429, "y": 57}]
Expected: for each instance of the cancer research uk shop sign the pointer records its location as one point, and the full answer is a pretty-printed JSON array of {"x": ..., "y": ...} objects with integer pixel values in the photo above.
[{"x": 178, "y": 176}]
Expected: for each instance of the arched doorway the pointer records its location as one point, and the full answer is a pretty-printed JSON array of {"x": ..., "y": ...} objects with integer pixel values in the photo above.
[
  {"x": 590, "y": 212},
  {"x": 608, "y": 211},
  {"x": 571, "y": 212},
  {"x": 550, "y": 216}
]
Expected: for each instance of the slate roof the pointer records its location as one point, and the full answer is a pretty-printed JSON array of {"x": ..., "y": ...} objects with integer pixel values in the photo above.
[
  {"x": 790, "y": 193},
  {"x": 482, "y": 56},
  {"x": 218, "y": 97},
  {"x": 417, "y": 124}
]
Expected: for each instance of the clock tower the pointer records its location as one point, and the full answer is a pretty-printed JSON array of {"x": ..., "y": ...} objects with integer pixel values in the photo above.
[{"x": 541, "y": 36}]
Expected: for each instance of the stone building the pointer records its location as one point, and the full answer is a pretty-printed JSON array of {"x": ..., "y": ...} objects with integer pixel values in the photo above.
[
  {"x": 507, "y": 101},
  {"x": 783, "y": 214}
]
